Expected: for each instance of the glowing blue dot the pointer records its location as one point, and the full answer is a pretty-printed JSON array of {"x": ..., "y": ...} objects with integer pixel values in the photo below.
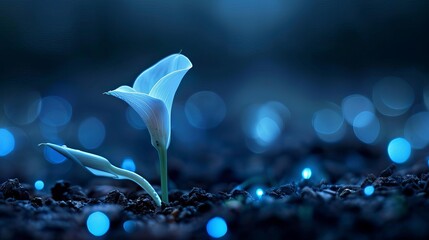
[
  {"x": 205, "y": 110},
  {"x": 368, "y": 190},
  {"x": 7, "y": 142},
  {"x": 39, "y": 185},
  {"x": 55, "y": 111},
  {"x": 98, "y": 223},
  {"x": 128, "y": 164},
  {"x": 259, "y": 192},
  {"x": 91, "y": 133},
  {"x": 216, "y": 227},
  {"x": 306, "y": 173},
  {"x": 129, "y": 226},
  {"x": 53, "y": 156},
  {"x": 399, "y": 150}
]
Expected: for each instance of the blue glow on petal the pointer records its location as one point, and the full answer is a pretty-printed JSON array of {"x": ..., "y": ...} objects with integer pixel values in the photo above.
[
  {"x": 205, "y": 110},
  {"x": 399, "y": 150},
  {"x": 306, "y": 173},
  {"x": 55, "y": 111},
  {"x": 98, "y": 223},
  {"x": 216, "y": 227},
  {"x": 368, "y": 190},
  {"x": 128, "y": 164},
  {"x": 91, "y": 133},
  {"x": 39, "y": 185},
  {"x": 7, "y": 142},
  {"x": 129, "y": 226}
]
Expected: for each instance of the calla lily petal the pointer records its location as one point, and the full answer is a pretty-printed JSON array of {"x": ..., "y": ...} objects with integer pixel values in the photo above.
[
  {"x": 147, "y": 79},
  {"x": 153, "y": 112},
  {"x": 100, "y": 166},
  {"x": 166, "y": 87}
]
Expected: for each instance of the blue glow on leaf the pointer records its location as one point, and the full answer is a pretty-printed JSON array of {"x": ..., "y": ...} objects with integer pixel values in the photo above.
[
  {"x": 128, "y": 164},
  {"x": 216, "y": 227},
  {"x": 399, "y": 150},
  {"x": 306, "y": 173},
  {"x": 98, "y": 223},
  {"x": 39, "y": 185},
  {"x": 368, "y": 190},
  {"x": 7, "y": 142},
  {"x": 91, "y": 133}
]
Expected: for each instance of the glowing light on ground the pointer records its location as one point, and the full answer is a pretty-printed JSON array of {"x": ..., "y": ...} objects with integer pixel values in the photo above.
[
  {"x": 259, "y": 192},
  {"x": 39, "y": 185},
  {"x": 368, "y": 190},
  {"x": 306, "y": 173},
  {"x": 98, "y": 224},
  {"x": 216, "y": 227}
]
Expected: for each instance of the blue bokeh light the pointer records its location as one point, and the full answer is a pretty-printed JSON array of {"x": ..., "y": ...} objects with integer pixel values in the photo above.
[
  {"x": 98, "y": 223},
  {"x": 329, "y": 125},
  {"x": 55, "y": 111},
  {"x": 216, "y": 227},
  {"x": 369, "y": 190},
  {"x": 393, "y": 96},
  {"x": 399, "y": 150},
  {"x": 53, "y": 156},
  {"x": 129, "y": 226},
  {"x": 353, "y": 105},
  {"x": 7, "y": 142},
  {"x": 39, "y": 185},
  {"x": 366, "y": 127},
  {"x": 416, "y": 130},
  {"x": 266, "y": 131},
  {"x": 91, "y": 133},
  {"x": 134, "y": 119},
  {"x": 23, "y": 108},
  {"x": 128, "y": 164},
  {"x": 205, "y": 110},
  {"x": 306, "y": 173}
]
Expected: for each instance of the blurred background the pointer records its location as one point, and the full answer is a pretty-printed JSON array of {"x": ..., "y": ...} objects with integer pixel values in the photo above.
[{"x": 281, "y": 90}]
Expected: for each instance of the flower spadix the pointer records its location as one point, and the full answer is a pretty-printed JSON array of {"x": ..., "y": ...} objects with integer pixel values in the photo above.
[
  {"x": 152, "y": 96},
  {"x": 100, "y": 166}
]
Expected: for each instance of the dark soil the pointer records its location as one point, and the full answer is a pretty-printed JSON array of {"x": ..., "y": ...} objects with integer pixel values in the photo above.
[{"x": 398, "y": 209}]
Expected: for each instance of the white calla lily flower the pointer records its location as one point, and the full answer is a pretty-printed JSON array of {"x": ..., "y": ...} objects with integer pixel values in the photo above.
[
  {"x": 152, "y": 97},
  {"x": 100, "y": 166}
]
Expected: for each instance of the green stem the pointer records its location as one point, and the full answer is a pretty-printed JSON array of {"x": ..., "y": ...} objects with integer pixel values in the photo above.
[{"x": 162, "y": 153}]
